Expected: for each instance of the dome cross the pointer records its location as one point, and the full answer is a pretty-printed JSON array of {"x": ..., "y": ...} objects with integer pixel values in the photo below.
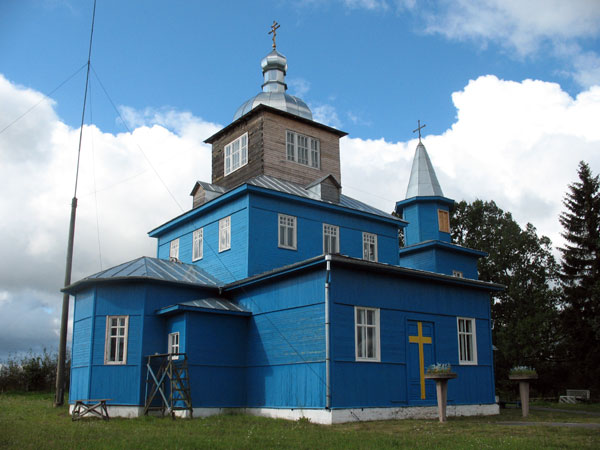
[
  {"x": 273, "y": 31},
  {"x": 419, "y": 129}
]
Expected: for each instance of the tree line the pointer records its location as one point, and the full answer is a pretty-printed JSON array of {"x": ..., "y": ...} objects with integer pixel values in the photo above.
[{"x": 548, "y": 315}]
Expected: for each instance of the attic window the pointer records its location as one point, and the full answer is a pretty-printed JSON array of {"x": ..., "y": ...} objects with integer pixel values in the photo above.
[
  {"x": 302, "y": 149},
  {"x": 444, "y": 221},
  {"x": 236, "y": 154}
]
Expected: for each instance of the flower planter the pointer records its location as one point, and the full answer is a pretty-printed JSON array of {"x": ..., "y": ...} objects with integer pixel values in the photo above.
[
  {"x": 524, "y": 389},
  {"x": 441, "y": 387}
]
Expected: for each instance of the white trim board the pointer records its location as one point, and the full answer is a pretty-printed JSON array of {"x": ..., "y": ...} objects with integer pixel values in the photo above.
[{"x": 323, "y": 416}]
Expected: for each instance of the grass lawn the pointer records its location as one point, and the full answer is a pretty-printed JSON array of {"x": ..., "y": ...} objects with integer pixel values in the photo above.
[{"x": 30, "y": 421}]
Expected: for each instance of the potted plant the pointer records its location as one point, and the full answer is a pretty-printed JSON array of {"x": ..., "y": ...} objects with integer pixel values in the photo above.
[
  {"x": 441, "y": 373},
  {"x": 523, "y": 374}
]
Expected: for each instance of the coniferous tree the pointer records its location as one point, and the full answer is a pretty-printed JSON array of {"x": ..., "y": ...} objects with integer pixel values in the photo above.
[
  {"x": 580, "y": 276},
  {"x": 525, "y": 314}
]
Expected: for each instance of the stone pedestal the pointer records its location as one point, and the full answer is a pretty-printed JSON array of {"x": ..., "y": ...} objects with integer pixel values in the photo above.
[
  {"x": 441, "y": 387},
  {"x": 523, "y": 390}
]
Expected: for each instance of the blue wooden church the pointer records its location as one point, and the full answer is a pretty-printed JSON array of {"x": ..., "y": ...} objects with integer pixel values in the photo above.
[{"x": 283, "y": 296}]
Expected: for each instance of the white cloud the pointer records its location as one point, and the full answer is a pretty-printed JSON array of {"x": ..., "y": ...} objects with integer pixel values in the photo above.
[
  {"x": 516, "y": 143},
  {"x": 298, "y": 86},
  {"x": 122, "y": 193},
  {"x": 524, "y": 28},
  {"x": 326, "y": 114}
]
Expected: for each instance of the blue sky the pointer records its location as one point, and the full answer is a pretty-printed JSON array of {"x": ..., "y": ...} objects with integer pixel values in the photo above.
[{"x": 509, "y": 90}]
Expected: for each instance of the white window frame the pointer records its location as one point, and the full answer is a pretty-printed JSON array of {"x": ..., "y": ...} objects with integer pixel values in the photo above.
[
  {"x": 331, "y": 233},
  {"x": 119, "y": 359},
  {"x": 225, "y": 234},
  {"x": 174, "y": 249},
  {"x": 457, "y": 273},
  {"x": 235, "y": 154},
  {"x": 173, "y": 345},
  {"x": 284, "y": 224},
  {"x": 369, "y": 239},
  {"x": 198, "y": 244},
  {"x": 303, "y": 149},
  {"x": 361, "y": 330},
  {"x": 465, "y": 338}
]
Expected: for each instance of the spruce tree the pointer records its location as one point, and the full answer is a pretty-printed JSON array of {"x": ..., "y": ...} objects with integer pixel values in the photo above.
[{"x": 580, "y": 277}]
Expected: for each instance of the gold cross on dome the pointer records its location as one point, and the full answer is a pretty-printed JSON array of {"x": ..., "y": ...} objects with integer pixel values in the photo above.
[
  {"x": 419, "y": 129},
  {"x": 273, "y": 31}
]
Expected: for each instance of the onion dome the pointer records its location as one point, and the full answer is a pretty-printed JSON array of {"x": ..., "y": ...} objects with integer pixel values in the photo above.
[{"x": 274, "y": 68}]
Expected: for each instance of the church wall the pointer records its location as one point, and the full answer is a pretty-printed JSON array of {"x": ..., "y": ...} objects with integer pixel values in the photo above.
[
  {"x": 227, "y": 266},
  {"x": 275, "y": 157},
  {"x": 216, "y": 345},
  {"x": 423, "y": 222},
  {"x": 402, "y": 303},
  {"x": 265, "y": 254},
  {"x": 286, "y": 341},
  {"x": 424, "y": 259},
  {"x": 83, "y": 322},
  {"x": 447, "y": 261}
]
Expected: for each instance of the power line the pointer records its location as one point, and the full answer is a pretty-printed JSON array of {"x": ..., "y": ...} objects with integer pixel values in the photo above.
[{"x": 44, "y": 98}]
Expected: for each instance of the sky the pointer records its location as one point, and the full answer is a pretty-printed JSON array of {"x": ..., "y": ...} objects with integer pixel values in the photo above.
[{"x": 509, "y": 91}]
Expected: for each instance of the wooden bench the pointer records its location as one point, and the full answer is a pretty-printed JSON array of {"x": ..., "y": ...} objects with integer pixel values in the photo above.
[
  {"x": 574, "y": 396},
  {"x": 91, "y": 407}
]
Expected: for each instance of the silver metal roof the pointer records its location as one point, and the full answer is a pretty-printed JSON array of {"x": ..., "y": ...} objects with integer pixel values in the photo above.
[
  {"x": 274, "y": 68},
  {"x": 423, "y": 181},
  {"x": 157, "y": 269},
  {"x": 288, "y": 187},
  {"x": 215, "y": 303}
]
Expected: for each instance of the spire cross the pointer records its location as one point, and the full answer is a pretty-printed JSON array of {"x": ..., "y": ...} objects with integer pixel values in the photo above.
[
  {"x": 273, "y": 31},
  {"x": 419, "y": 129}
]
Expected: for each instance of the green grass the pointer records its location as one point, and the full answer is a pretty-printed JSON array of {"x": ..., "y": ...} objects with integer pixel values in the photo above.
[{"x": 30, "y": 421}]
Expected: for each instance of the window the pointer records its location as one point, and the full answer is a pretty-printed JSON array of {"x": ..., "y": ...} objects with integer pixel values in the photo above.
[
  {"x": 331, "y": 242},
  {"x": 370, "y": 246},
  {"x": 174, "y": 344},
  {"x": 225, "y": 234},
  {"x": 287, "y": 231},
  {"x": 367, "y": 334},
  {"x": 198, "y": 244},
  {"x": 174, "y": 249},
  {"x": 115, "y": 346},
  {"x": 457, "y": 273},
  {"x": 467, "y": 344},
  {"x": 444, "y": 221},
  {"x": 236, "y": 154},
  {"x": 303, "y": 149}
]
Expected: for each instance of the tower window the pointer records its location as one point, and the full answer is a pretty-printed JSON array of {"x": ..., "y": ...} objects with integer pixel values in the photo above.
[
  {"x": 444, "y": 221},
  {"x": 331, "y": 242},
  {"x": 287, "y": 231},
  {"x": 370, "y": 246},
  {"x": 302, "y": 149},
  {"x": 174, "y": 249},
  {"x": 236, "y": 154},
  {"x": 225, "y": 234}
]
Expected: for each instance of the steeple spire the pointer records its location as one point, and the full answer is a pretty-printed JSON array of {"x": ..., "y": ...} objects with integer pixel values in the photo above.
[{"x": 423, "y": 182}]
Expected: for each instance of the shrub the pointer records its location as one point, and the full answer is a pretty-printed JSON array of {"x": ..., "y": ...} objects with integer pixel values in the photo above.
[{"x": 30, "y": 372}]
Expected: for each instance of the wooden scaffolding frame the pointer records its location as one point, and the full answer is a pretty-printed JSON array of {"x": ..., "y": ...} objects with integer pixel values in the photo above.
[{"x": 168, "y": 382}]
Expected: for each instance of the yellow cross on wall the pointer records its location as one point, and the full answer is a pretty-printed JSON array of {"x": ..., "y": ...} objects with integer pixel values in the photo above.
[{"x": 420, "y": 339}]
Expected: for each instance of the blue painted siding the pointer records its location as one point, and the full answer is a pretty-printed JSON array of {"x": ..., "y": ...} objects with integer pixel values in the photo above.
[
  {"x": 420, "y": 260},
  {"x": 264, "y": 251},
  {"x": 395, "y": 381},
  {"x": 447, "y": 261},
  {"x": 216, "y": 348},
  {"x": 286, "y": 341},
  {"x": 81, "y": 345},
  {"x": 229, "y": 265},
  {"x": 423, "y": 225}
]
